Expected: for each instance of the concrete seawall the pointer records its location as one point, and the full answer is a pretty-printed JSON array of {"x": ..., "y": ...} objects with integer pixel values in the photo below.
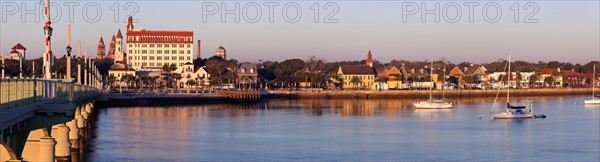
[{"x": 366, "y": 94}]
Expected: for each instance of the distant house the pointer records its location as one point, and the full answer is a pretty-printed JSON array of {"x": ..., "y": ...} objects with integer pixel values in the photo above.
[
  {"x": 478, "y": 74},
  {"x": 555, "y": 74},
  {"x": 197, "y": 75},
  {"x": 117, "y": 71},
  {"x": 357, "y": 77},
  {"x": 18, "y": 52},
  {"x": 247, "y": 75},
  {"x": 574, "y": 78},
  {"x": 393, "y": 76},
  {"x": 456, "y": 72},
  {"x": 290, "y": 82}
]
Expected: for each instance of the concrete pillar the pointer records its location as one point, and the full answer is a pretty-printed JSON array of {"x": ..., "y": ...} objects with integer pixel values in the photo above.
[
  {"x": 73, "y": 134},
  {"x": 46, "y": 148},
  {"x": 63, "y": 146}
]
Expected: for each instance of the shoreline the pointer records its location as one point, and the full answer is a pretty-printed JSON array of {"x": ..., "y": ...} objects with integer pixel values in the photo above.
[
  {"x": 119, "y": 100},
  {"x": 420, "y": 94}
]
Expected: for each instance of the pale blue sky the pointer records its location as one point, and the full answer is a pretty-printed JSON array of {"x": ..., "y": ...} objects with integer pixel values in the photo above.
[{"x": 566, "y": 31}]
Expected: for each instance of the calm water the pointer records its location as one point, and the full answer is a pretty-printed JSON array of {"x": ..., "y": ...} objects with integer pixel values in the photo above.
[{"x": 346, "y": 130}]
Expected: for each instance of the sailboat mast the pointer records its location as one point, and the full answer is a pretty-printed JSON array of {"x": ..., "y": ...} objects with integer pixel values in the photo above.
[
  {"x": 593, "y": 84},
  {"x": 431, "y": 78},
  {"x": 508, "y": 78}
]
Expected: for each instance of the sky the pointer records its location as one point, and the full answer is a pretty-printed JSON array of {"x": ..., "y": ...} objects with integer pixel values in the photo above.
[{"x": 566, "y": 31}]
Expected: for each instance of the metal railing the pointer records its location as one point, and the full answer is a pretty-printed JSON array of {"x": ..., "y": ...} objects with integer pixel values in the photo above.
[{"x": 17, "y": 92}]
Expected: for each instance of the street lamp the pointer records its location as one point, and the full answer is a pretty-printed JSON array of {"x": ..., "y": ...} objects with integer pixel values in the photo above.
[
  {"x": 69, "y": 51},
  {"x": 48, "y": 32}
]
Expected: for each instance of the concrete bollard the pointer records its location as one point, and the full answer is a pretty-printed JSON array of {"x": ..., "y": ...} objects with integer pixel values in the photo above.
[
  {"x": 73, "y": 134},
  {"x": 46, "y": 148},
  {"x": 63, "y": 146}
]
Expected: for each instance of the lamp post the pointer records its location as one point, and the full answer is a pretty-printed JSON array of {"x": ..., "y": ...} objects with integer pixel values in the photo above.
[
  {"x": 48, "y": 33},
  {"x": 69, "y": 53},
  {"x": 79, "y": 61},
  {"x": 2, "y": 64}
]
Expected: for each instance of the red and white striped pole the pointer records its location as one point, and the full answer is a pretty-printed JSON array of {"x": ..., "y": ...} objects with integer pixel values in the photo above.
[{"x": 48, "y": 33}]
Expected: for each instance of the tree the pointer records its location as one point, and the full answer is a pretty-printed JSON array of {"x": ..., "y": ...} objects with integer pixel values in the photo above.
[
  {"x": 288, "y": 67},
  {"x": 519, "y": 77},
  {"x": 533, "y": 78},
  {"x": 549, "y": 80},
  {"x": 355, "y": 81}
]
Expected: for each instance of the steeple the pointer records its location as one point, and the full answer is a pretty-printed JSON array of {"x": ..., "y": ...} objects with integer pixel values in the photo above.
[
  {"x": 101, "y": 49},
  {"x": 369, "y": 61},
  {"x": 119, "y": 35},
  {"x": 130, "y": 23}
]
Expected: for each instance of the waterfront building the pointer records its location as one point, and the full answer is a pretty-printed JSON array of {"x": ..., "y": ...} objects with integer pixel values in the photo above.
[
  {"x": 247, "y": 75},
  {"x": 357, "y": 77},
  {"x": 554, "y": 73},
  {"x": 148, "y": 49},
  {"x": 290, "y": 82},
  {"x": 101, "y": 49},
  {"x": 574, "y": 79},
  {"x": 18, "y": 52},
  {"x": 456, "y": 72},
  {"x": 392, "y": 75},
  {"x": 221, "y": 52},
  {"x": 191, "y": 75},
  {"x": 117, "y": 71},
  {"x": 477, "y": 75}
]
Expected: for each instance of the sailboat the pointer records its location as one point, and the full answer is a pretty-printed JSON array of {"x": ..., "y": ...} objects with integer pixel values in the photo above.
[
  {"x": 512, "y": 112},
  {"x": 431, "y": 103},
  {"x": 595, "y": 99}
]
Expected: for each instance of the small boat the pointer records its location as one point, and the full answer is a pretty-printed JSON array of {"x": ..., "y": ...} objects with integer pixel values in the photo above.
[
  {"x": 512, "y": 112},
  {"x": 595, "y": 99},
  {"x": 431, "y": 103}
]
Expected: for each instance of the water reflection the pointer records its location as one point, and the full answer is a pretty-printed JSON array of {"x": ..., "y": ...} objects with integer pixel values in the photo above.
[{"x": 346, "y": 130}]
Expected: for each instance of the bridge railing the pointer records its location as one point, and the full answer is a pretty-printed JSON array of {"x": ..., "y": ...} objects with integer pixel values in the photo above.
[{"x": 16, "y": 92}]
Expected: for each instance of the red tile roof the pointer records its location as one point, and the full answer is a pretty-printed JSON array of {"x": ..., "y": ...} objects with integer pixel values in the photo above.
[
  {"x": 547, "y": 71},
  {"x": 119, "y": 35},
  {"x": 14, "y": 51}
]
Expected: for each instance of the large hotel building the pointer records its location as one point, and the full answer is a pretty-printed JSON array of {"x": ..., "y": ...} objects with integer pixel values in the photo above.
[{"x": 148, "y": 49}]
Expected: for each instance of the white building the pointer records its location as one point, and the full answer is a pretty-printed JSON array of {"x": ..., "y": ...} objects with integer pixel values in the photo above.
[
  {"x": 18, "y": 52},
  {"x": 148, "y": 49},
  {"x": 189, "y": 72}
]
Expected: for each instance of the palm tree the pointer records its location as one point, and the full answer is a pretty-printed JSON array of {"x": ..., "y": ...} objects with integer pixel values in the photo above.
[{"x": 188, "y": 77}]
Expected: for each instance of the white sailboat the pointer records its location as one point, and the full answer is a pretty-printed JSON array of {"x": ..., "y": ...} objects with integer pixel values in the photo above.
[
  {"x": 431, "y": 103},
  {"x": 512, "y": 112},
  {"x": 595, "y": 99}
]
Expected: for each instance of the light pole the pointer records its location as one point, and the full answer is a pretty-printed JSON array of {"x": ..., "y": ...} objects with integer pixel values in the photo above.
[
  {"x": 48, "y": 33},
  {"x": 69, "y": 53}
]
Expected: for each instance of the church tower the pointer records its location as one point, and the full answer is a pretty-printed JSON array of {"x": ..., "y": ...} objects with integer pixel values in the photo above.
[
  {"x": 118, "y": 51},
  {"x": 369, "y": 59},
  {"x": 130, "y": 23},
  {"x": 111, "y": 48},
  {"x": 101, "y": 49}
]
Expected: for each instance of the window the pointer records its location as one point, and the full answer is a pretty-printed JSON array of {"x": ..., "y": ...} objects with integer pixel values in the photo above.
[
  {"x": 166, "y": 57},
  {"x": 166, "y": 45},
  {"x": 180, "y": 64},
  {"x": 144, "y": 45},
  {"x": 181, "y": 45},
  {"x": 174, "y": 51},
  {"x": 174, "y": 45},
  {"x": 189, "y": 58},
  {"x": 166, "y": 51},
  {"x": 159, "y": 64},
  {"x": 181, "y": 57},
  {"x": 189, "y": 52},
  {"x": 174, "y": 58},
  {"x": 151, "y": 57},
  {"x": 151, "y": 51},
  {"x": 130, "y": 58},
  {"x": 158, "y": 51},
  {"x": 181, "y": 52},
  {"x": 144, "y": 57},
  {"x": 144, "y": 64},
  {"x": 151, "y": 45},
  {"x": 144, "y": 51},
  {"x": 129, "y": 45},
  {"x": 159, "y": 45},
  {"x": 189, "y": 45},
  {"x": 158, "y": 57},
  {"x": 152, "y": 64},
  {"x": 130, "y": 52}
]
